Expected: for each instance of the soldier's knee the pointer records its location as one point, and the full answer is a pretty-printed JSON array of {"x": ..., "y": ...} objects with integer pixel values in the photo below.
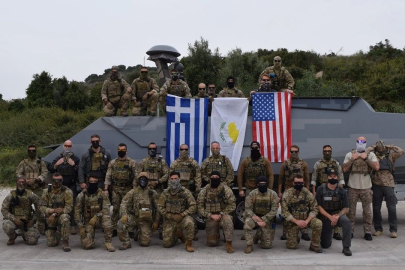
[
  {"x": 325, "y": 245},
  {"x": 167, "y": 243},
  {"x": 9, "y": 227},
  {"x": 64, "y": 218},
  {"x": 32, "y": 236}
]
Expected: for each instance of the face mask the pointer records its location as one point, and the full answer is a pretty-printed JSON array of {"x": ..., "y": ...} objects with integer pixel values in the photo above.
[
  {"x": 184, "y": 154},
  {"x": 381, "y": 153},
  {"x": 231, "y": 84},
  {"x": 361, "y": 147},
  {"x": 262, "y": 188},
  {"x": 95, "y": 144},
  {"x": 175, "y": 184},
  {"x": 20, "y": 186},
  {"x": 152, "y": 152},
  {"x": 215, "y": 152},
  {"x": 56, "y": 184},
  {"x": 114, "y": 75},
  {"x": 333, "y": 181},
  {"x": 327, "y": 156},
  {"x": 294, "y": 156},
  {"x": 255, "y": 154},
  {"x": 93, "y": 187},
  {"x": 175, "y": 78},
  {"x": 20, "y": 192},
  {"x": 298, "y": 186},
  {"x": 32, "y": 154},
  {"x": 215, "y": 182},
  {"x": 143, "y": 182},
  {"x": 265, "y": 87},
  {"x": 144, "y": 76},
  {"x": 122, "y": 154}
]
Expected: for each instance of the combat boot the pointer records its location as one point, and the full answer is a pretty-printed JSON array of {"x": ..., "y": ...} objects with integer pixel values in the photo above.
[
  {"x": 248, "y": 249},
  {"x": 195, "y": 238},
  {"x": 66, "y": 247},
  {"x": 229, "y": 247},
  {"x": 337, "y": 236},
  {"x": 378, "y": 233},
  {"x": 305, "y": 236},
  {"x": 315, "y": 249},
  {"x": 283, "y": 237},
  {"x": 243, "y": 237},
  {"x": 109, "y": 247},
  {"x": 125, "y": 246},
  {"x": 189, "y": 246},
  {"x": 347, "y": 251},
  {"x": 11, "y": 239}
]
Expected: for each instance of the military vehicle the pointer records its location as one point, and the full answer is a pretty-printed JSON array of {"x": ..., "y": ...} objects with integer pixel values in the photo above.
[{"x": 315, "y": 122}]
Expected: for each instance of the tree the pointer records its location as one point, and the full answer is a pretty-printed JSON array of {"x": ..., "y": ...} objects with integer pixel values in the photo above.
[
  {"x": 76, "y": 98},
  {"x": 60, "y": 89},
  {"x": 16, "y": 105},
  {"x": 40, "y": 91}
]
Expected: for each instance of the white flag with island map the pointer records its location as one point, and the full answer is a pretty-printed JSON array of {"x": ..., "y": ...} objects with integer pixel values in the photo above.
[{"x": 228, "y": 126}]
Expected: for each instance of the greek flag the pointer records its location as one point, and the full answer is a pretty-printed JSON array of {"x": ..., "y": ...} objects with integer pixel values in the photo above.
[{"x": 186, "y": 124}]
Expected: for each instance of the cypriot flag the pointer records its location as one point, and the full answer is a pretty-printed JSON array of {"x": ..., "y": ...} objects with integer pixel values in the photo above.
[{"x": 228, "y": 126}]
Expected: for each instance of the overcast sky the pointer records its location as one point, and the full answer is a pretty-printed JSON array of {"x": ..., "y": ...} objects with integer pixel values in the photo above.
[{"x": 78, "y": 38}]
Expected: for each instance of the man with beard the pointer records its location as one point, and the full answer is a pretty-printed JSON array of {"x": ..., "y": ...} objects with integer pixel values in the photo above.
[
  {"x": 115, "y": 94},
  {"x": 281, "y": 80},
  {"x": 291, "y": 167},
  {"x": 35, "y": 171},
  {"x": 216, "y": 202},
  {"x": 57, "y": 203},
  {"x": 230, "y": 90},
  {"x": 67, "y": 164},
  {"x": 217, "y": 162},
  {"x": 18, "y": 213},
  {"x": 383, "y": 186},
  {"x": 175, "y": 86},
  {"x": 264, "y": 85},
  {"x": 93, "y": 210},
  {"x": 176, "y": 205},
  {"x": 299, "y": 208},
  {"x": 139, "y": 212},
  {"x": 202, "y": 91},
  {"x": 145, "y": 94},
  {"x": 360, "y": 163},
  {"x": 260, "y": 210}
]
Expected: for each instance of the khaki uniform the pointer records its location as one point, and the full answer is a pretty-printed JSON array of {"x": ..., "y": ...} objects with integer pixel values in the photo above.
[
  {"x": 19, "y": 206},
  {"x": 179, "y": 88},
  {"x": 176, "y": 203},
  {"x": 300, "y": 207},
  {"x": 87, "y": 207},
  {"x": 250, "y": 170},
  {"x": 282, "y": 80},
  {"x": 140, "y": 206},
  {"x": 263, "y": 205},
  {"x": 289, "y": 169},
  {"x": 217, "y": 201},
  {"x": 116, "y": 92},
  {"x": 121, "y": 176},
  {"x": 234, "y": 92},
  {"x": 190, "y": 174},
  {"x": 139, "y": 89},
  {"x": 220, "y": 163},
  {"x": 157, "y": 170},
  {"x": 58, "y": 227}
]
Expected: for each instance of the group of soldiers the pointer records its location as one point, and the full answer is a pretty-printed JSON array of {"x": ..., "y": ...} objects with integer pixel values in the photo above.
[
  {"x": 151, "y": 196},
  {"x": 145, "y": 94}
]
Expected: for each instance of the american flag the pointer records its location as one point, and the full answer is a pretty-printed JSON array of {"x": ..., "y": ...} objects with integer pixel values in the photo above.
[
  {"x": 272, "y": 124},
  {"x": 187, "y": 122}
]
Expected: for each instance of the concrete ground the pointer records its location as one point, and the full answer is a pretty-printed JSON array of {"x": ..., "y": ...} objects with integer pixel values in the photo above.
[{"x": 382, "y": 252}]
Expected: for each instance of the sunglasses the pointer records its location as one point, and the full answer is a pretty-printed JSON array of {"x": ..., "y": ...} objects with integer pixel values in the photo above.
[
  {"x": 265, "y": 80},
  {"x": 122, "y": 151},
  {"x": 298, "y": 183},
  {"x": 277, "y": 61},
  {"x": 144, "y": 72},
  {"x": 211, "y": 87},
  {"x": 327, "y": 151},
  {"x": 32, "y": 151},
  {"x": 175, "y": 74},
  {"x": 255, "y": 147},
  {"x": 152, "y": 148},
  {"x": 201, "y": 88},
  {"x": 294, "y": 152},
  {"x": 95, "y": 141},
  {"x": 67, "y": 146},
  {"x": 361, "y": 141},
  {"x": 183, "y": 149}
]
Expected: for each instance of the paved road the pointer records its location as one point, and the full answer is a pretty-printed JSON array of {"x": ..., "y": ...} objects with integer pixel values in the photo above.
[{"x": 382, "y": 252}]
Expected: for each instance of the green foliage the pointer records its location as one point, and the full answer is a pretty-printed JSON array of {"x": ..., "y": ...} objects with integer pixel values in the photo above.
[
  {"x": 16, "y": 105},
  {"x": 76, "y": 98},
  {"x": 40, "y": 91}
]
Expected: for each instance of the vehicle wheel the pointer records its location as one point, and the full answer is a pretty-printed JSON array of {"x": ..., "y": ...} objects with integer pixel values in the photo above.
[
  {"x": 200, "y": 221},
  {"x": 238, "y": 215}
]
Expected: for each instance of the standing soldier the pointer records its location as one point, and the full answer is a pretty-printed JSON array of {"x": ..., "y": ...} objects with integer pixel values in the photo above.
[
  {"x": 383, "y": 186},
  {"x": 176, "y": 204},
  {"x": 360, "y": 163},
  {"x": 231, "y": 90},
  {"x": 120, "y": 177},
  {"x": 35, "y": 171},
  {"x": 299, "y": 208},
  {"x": 216, "y": 202},
  {"x": 139, "y": 212},
  {"x": 202, "y": 91},
  {"x": 175, "y": 86},
  {"x": 94, "y": 161},
  {"x": 93, "y": 209},
  {"x": 281, "y": 79},
  {"x": 217, "y": 162},
  {"x": 67, "y": 164},
  {"x": 18, "y": 213},
  {"x": 115, "y": 94},
  {"x": 320, "y": 176},
  {"x": 260, "y": 210},
  {"x": 291, "y": 167},
  {"x": 211, "y": 94},
  {"x": 56, "y": 204},
  {"x": 145, "y": 94}
]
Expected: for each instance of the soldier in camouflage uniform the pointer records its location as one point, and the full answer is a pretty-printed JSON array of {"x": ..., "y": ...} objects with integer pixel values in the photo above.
[
  {"x": 280, "y": 78},
  {"x": 320, "y": 176},
  {"x": 383, "y": 186},
  {"x": 145, "y": 94},
  {"x": 92, "y": 210},
  {"x": 291, "y": 167},
  {"x": 217, "y": 162},
  {"x": 139, "y": 212},
  {"x": 176, "y": 204},
  {"x": 231, "y": 90},
  {"x": 57, "y": 203},
  {"x": 202, "y": 91},
  {"x": 216, "y": 202},
  {"x": 115, "y": 94},
  {"x": 175, "y": 87},
  {"x": 260, "y": 210},
  {"x": 35, "y": 171},
  {"x": 121, "y": 176},
  {"x": 211, "y": 94},
  {"x": 299, "y": 208},
  {"x": 18, "y": 213}
]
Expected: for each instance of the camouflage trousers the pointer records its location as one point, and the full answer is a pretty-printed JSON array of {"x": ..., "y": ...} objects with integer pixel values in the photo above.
[
  {"x": 366, "y": 198},
  {"x": 266, "y": 233},
  {"x": 141, "y": 227},
  {"x": 59, "y": 230},
  {"x": 40, "y": 217},
  {"x": 150, "y": 103},
  {"x": 111, "y": 108},
  {"x": 171, "y": 227},
  {"x": 30, "y": 236},
  {"x": 292, "y": 233},
  {"x": 105, "y": 223},
  {"x": 117, "y": 196},
  {"x": 212, "y": 229}
]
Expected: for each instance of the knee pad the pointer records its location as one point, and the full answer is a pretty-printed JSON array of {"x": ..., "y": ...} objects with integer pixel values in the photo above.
[
  {"x": 9, "y": 227},
  {"x": 88, "y": 243},
  {"x": 32, "y": 236}
]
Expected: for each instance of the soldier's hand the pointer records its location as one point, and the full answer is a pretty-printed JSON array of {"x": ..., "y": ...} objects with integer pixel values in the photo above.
[
  {"x": 261, "y": 223},
  {"x": 137, "y": 104},
  {"x": 60, "y": 161},
  {"x": 71, "y": 162},
  {"x": 124, "y": 219},
  {"x": 252, "y": 92},
  {"x": 177, "y": 217},
  {"x": 241, "y": 193},
  {"x": 363, "y": 155},
  {"x": 18, "y": 222},
  {"x": 280, "y": 195},
  {"x": 51, "y": 218},
  {"x": 215, "y": 217},
  {"x": 145, "y": 97},
  {"x": 30, "y": 223},
  {"x": 83, "y": 186},
  {"x": 153, "y": 183},
  {"x": 30, "y": 182},
  {"x": 355, "y": 155},
  {"x": 257, "y": 219},
  {"x": 106, "y": 192},
  {"x": 301, "y": 223},
  {"x": 155, "y": 226},
  {"x": 334, "y": 219},
  {"x": 129, "y": 89},
  {"x": 93, "y": 221},
  {"x": 59, "y": 211}
]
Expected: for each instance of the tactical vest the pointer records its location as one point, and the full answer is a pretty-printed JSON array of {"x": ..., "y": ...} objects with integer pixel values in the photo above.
[
  {"x": 57, "y": 200},
  {"x": 218, "y": 164},
  {"x": 153, "y": 167},
  {"x": 299, "y": 208},
  {"x": 360, "y": 166},
  {"x": 231, "y": 92},
  {"x": 114, "y": 88},
  {"x": 176, "y": 204},
  {"x": 331, "y": 200},
  {"x": 186, "y": 170},
  {"x": 277, "y": 82},
  {"x": 121, "y": 172},
  {"x": 253, "y": 170},
  {"x": 261, "y": 204},
  {"x": 292, "y": 169},
  {"x": 323, "y": 168},
  {"x": 93, "y": 204},
  {"x": 215, "y": 200},
  {"x": 32, "y": 170},
  {"x": 23, "y": 210},
  {"x": 177, "y": 89},
  {"x": 142, "y": 87},
  {"x": 97, "y": 162},
  {"x": 386, "y": 164},
  {"x": 143, "y": 205}
]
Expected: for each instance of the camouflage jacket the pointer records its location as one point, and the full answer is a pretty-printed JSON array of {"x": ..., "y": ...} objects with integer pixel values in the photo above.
[
  {"x": 152, "y": 86},
  {"x": 115, "y": 170},
  {"x": 8, "y": 211},
  {"x": 254, "y": 169},
  {"x": 222, "y": 164},
  {"x": 319, "y": 169},
  {"x": 87, "y": 202},
  {"x": 189, "y": 171},
  {"x": 139, "y": 200},
  {"x": 290, "y": 198},
  {"x": 234, "y": 92},
  {"x": 253, "y": 200},
  {"x": 32, "y": 169},
  {"x": 282, "y": 80},
  {"x": 221, "y": 199},
  {"x": 180, "y": 89},
  {"x": 156, "y": 168},
  {"x": 285, "y": 170},
  {"x": 62, "y": 198},
  {"x": 188, "y": 201},
  {"x": 110, "y": 84}
]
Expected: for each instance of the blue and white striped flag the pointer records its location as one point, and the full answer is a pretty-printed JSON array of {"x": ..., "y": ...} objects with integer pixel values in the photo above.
[{"x": 186, "y": 123}]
